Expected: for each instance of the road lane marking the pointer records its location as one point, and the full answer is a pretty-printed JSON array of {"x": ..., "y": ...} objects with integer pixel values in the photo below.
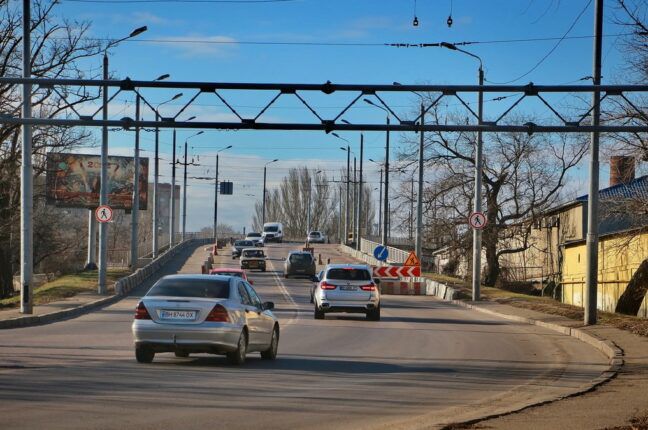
[{"x": 286, "y": 294}]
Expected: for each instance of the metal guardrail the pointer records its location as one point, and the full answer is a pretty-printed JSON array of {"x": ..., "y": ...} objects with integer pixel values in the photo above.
[{"x": 395, "y": 255}]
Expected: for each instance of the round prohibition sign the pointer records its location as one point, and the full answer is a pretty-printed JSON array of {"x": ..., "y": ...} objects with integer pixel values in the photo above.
[
  {"x": 104, "y": 214},
  {"x": 477, "y": 220}
]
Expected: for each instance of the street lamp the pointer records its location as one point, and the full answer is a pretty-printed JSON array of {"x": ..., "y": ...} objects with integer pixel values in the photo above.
[
  {"x": 358, "y": 220},
  {"x": 310, "y": 195},
  {"x": 216, "y": 196},
  {"x": 184, "y": 186},
  {"x": 477, "y": 205},
  {"x": 348, "y": 175},
  {"x": 380, "y": 194},
  {"x": 103, "y": 191},
  {"x": 172, "y": 209},
  {"x": 265, "y": 168},
  {"x": 156, "y": 172},
  {"x": 385, "y": 231}
]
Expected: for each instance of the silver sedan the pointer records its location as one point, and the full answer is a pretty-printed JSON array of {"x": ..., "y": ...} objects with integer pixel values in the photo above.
[{"x": 212, "y": 314}]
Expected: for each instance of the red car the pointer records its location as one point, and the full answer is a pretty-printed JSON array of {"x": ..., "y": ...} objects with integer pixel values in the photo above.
[{"x": 230, "y": 271}]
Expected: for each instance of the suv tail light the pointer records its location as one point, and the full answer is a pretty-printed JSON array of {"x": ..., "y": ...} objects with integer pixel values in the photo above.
[
  {"x": 368, "y": 287},
  {"x": 218, "y": 314},
  {"x": 141, "y": 313},
  {"x": 326, "y": 286}
]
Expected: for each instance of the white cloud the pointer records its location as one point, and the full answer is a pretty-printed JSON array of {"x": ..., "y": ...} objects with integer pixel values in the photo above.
[{"x": 195, "y": 45}]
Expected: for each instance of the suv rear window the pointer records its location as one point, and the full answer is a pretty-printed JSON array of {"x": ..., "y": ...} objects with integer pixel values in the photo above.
[
  {"x": 349, "y": 274},
  {"x": 204, "y": 288},
  {"x": 271, "y": 228},
  {"x": 237, "y": 274},
  {"x": 301, "y": 258},
  {"x": 243, "y": 243}
]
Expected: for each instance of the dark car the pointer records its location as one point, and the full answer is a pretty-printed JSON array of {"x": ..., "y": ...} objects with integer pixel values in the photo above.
[
  {"x": 239, "y": 246},
  {"x": 300, "y": 263}
]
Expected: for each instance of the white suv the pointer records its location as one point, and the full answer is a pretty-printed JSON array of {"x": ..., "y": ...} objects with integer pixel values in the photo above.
[{"x": 347, "y": 288}]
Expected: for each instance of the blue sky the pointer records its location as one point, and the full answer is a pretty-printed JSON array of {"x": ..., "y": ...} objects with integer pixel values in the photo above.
[{"x": 169, "y": 46}]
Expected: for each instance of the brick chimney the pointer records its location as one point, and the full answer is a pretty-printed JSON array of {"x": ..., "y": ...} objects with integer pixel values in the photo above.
[{"x": 622, "y": 169}]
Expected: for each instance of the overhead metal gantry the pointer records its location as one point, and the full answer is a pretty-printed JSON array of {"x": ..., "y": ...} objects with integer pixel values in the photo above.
[{"x": 565, "y": 121}]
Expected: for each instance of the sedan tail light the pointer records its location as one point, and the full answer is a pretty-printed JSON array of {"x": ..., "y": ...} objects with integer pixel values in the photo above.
[
  {"x": 368, "y": 287},
  {"x": 218, "y": 314},
  {"x": 326, "y": 286},
  {"x": 141, "y": 313}
]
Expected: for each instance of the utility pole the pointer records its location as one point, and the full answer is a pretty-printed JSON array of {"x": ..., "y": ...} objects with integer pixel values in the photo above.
[
  {"x": 184, "y": 196},
  {"x": 380, "y": 211},
  {"x": 173, "y": 203},
  {"x": 479, "y": 167},
  {"x": 103, "y": 193},
  {"x": 340, "y": 232},
  {"x": 156, "y": 175},
  {"x": 26, "y": 177},
  {"x": 264, "y": 190},
  {"x": 359, "y": 214},
  {"x": 264, "y": 194},
  {"x": 91, "y": 261},
  {"x": 355, "y": 201},
  {"x": 385, "y": 232},
  {"x": 308, "y": 212},
  {"x": 348, "y": 203},
  {"x": 590, "y": 316},
  {"x": 411, "y": 214},
  {"x": 419, "y": 200},
  {"x": 216, "y": 204},
  {"x": 136, "y": 192}
]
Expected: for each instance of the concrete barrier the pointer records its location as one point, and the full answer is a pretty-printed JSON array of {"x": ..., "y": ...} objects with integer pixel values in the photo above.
[{"x": 125, "y": 285}]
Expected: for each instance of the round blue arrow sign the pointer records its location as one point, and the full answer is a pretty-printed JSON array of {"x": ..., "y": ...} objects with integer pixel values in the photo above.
[{"x": 381, "y": 253}]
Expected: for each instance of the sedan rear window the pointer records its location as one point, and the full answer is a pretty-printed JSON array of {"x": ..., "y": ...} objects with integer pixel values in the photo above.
[
  {"x": 301, "y": 258},
  {"x": 208, "y": 289},
  {"x": 349, "y": 274},
  {"x": 243, "y": 243},
  {"x": 253, "y": 253},
  {"x": 237, "y": 274}
]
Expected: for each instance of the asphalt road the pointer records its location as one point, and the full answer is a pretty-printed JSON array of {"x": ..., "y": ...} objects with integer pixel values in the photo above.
[{"x": 425, "y": 362}]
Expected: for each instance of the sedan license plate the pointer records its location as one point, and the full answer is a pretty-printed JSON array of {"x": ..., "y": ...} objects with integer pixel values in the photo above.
[
  {"x": 348, "y": 288},
  {"x": 253, "y": 263},
  {"x": 178, "y": 315}
]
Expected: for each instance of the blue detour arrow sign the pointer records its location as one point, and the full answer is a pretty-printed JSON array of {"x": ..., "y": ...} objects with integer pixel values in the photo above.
[{"x": 381, "y": 253}]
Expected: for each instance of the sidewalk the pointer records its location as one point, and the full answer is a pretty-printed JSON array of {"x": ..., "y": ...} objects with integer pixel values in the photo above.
[
  {"x": 609, "y": 405},
  {"x": 84, "y": 302}
]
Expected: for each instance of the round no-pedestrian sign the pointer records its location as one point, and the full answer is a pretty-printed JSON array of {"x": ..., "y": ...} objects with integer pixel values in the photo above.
[
  {"x": 104, "y": 214},
  {"x": 477, "y": 220}
]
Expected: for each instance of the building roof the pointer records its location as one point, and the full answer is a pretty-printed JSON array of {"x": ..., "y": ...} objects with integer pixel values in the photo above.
[{"x": 637, "y": 188}]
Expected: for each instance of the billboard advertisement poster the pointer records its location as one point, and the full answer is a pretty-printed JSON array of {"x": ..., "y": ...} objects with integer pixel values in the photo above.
[{"x": 74, "y": 180}]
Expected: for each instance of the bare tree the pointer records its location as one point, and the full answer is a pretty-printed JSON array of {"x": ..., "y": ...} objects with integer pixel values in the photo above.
[
  {"x": 523, "y": 175},
  {"x": 57, "y": 47}
]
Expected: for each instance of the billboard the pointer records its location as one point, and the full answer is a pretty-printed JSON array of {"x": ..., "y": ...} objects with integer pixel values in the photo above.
[{"x": 73, "y": 180}]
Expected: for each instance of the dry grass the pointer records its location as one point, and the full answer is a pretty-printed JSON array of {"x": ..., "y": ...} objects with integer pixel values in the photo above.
[
  {"x": 546, "y": 305},
  {"x": 67, "y": 286}
]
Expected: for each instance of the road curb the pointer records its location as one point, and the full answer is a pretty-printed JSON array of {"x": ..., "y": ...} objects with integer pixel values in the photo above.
[
  {"x": 51, "y": 317},
  {"x": 607, "y": 347},
  {"x": 122, "y": 287}
]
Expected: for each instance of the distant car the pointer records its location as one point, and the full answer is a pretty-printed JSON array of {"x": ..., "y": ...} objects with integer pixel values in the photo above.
[
  {"x": 257, "y": 238},
  {"x": 347, "y": 288},
  {"x": 239, "y": 246},
  {"x": 253, "y": 258},
  {"x": 315, "y": 280},
  {"x": 211, "y": 314},
  {"x": 299, "y": 263},
  {"x": 230, "y": 271},
  {"x": 316, "y": 237}
]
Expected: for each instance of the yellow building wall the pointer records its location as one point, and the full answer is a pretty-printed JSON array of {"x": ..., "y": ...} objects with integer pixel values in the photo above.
[{"x": 619, "y": 258}]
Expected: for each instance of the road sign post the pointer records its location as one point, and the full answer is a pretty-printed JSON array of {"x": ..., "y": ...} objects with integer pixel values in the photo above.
[{"x": 103, "y": 214}]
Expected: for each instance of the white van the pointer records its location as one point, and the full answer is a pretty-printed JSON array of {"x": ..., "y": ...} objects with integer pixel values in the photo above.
[{"x": 272, "y": 232}]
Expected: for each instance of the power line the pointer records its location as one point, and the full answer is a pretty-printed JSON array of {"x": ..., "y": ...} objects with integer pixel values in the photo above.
[
  {"x": 350, "y": 44},
  {"x": 551, "y": 51}
]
